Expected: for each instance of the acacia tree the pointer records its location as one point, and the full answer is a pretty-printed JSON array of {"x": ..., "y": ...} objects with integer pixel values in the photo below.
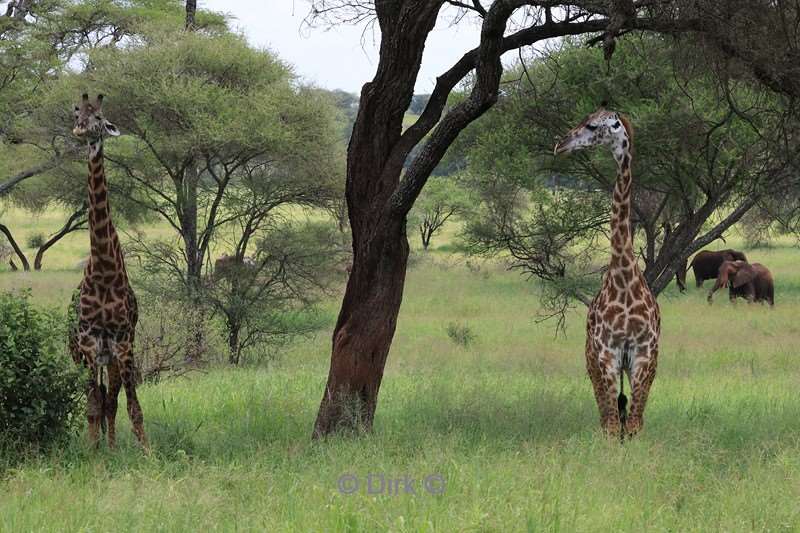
[
  {"x": 705, "y": 154},
  {"x": 379, "y": 200}
]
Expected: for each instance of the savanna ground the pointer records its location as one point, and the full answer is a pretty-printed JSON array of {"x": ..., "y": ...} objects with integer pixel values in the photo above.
[{"x": 508, "y": 422}]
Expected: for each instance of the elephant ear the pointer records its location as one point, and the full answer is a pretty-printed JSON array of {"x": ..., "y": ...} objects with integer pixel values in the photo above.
[{"x": 744, "y": 276}]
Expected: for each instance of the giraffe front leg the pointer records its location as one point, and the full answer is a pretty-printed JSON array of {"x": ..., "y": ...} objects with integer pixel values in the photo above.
[
  {"x": 609, "y": 374},
  {"x": 134, "y": 409},
  {"x": 114, "y": 385},
  {"x": 643, "y": 375}
]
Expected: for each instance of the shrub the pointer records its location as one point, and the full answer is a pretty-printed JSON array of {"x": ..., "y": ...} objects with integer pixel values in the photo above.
[
  {"x": 40, "y": 386},
  {"x": 36, "y": 240},
  {"x": 460, "y": 334}
]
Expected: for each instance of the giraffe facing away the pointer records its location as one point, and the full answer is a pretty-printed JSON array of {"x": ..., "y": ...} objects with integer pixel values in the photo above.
[
  {"x": 104, "y": 306},
  {"x": 624, "y": 322}
]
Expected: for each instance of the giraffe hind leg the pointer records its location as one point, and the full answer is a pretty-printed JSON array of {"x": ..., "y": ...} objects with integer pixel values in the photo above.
[
  {"x": 94, "y": 407},
  {"x": 643, "y": 375},
  {"x": 114, "y": 385},
  {"x": 610, "y": 399},
  {"x": 596, "y": 377},
  {"x": 134, "y": 409}
]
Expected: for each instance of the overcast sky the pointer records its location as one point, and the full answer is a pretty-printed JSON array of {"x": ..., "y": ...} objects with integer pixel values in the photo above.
[{"x": 335, "y": 59}]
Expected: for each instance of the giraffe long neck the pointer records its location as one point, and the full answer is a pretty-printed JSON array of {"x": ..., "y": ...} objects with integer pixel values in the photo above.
[
  {"x": 106, "y": 258},
  {"x": 621, "y": 238}
]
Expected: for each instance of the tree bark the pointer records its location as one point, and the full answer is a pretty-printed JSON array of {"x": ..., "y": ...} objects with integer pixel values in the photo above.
[
  {"x": 364, "y": 331},
  {"x": 191, "y": 10},
  {"x": 24, "y": 260},
  {"x": 234, "y": 349},
  {"x": 368, "y": 316},
  {"x": 73, "y": 223}
]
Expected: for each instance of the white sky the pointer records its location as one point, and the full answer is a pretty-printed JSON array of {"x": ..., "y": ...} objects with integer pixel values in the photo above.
[{"x": 335, "y": 59}]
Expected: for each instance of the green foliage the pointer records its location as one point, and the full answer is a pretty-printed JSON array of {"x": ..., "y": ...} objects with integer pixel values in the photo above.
[
  {"x": 697, "y": 157},
  {"x": 40, "y": 387},
  {"x": 36, "y": 240},
  {"x": 441, "y": 199},
  {"x": 269, "y": 299}
]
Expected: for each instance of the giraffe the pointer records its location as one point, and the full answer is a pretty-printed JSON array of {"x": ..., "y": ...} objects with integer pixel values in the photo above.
[
  {"x": 104, "y": 311},
  {"x": 624, "y": 321}
]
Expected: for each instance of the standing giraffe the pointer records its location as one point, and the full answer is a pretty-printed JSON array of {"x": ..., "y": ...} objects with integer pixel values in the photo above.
[
  {"x": 104, "y": 305},
  {"x": 624, "y": 322}
]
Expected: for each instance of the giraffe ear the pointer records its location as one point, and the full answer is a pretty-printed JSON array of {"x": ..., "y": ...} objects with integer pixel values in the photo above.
[{"x": 110, "y": 129}]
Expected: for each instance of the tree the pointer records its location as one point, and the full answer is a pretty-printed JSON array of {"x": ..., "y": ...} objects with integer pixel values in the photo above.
[
  {"x": 269, "y": 297},
  {"x": 40, "y": 41},
  {"x": 705, "y": 153},
  {"x": 202, "y": 115},
  {"x": 379, "y": 200},
  {"x": 215, "y": 134},
  {"x": 442, "y": 199}
]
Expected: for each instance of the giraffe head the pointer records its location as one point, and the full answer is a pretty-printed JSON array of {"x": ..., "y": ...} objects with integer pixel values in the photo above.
[
  {"x": 603, "y": 127},
  {"x": 89, "y": 121}
]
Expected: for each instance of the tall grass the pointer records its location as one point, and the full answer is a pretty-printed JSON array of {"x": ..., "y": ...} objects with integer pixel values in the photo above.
[{"x": 508, "y": 421}]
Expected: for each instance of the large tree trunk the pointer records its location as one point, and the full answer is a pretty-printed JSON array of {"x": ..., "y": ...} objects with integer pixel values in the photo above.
[
  {"x": 367, "y": 319},
  {"x": 365, "y": 328}
]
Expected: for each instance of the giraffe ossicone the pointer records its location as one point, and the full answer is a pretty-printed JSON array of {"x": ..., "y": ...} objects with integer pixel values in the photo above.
[
  {"x": 104, "y": 312},
  {"x": 624, "y": 321}
]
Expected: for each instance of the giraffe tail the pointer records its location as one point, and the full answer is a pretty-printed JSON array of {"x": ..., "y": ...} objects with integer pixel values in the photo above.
[{"x": 622, "y": 404}]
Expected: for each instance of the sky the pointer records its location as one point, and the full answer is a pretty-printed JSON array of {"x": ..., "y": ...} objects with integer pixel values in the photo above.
[{"x": 336, "y": 59}]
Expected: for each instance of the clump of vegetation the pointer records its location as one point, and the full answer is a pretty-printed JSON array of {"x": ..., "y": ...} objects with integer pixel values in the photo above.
[
  {"x": 36, "y": 240},
  {"x": 40, "y": 387},
  {"x": 461, "y": 334}
]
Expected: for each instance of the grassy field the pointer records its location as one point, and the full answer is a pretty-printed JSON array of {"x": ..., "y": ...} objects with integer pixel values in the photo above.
[{"x": 508, "y": 424}]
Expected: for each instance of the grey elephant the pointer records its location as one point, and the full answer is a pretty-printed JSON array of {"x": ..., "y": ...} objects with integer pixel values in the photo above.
[
  {"x": 753, "y": 282},
  {"x": 706, "y": 265}
]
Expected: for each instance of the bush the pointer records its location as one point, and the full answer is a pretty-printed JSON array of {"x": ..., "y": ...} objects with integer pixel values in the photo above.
[
  {"x": 40, "y": 386},
  {"x": 36, "y": 240},
  {"x": 461, "y": 334}
]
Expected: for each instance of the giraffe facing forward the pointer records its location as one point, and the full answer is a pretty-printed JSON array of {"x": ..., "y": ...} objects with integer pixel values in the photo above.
[
  {"x": 624, "y": 322},
  {"x": 104, "y": 306}
]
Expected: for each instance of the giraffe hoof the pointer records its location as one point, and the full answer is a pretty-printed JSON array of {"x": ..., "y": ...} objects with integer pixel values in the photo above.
[{"x": 633, "y": 426}]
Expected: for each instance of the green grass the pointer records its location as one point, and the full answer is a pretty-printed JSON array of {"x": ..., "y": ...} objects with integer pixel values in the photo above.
[{"x": 508, "y": 422}]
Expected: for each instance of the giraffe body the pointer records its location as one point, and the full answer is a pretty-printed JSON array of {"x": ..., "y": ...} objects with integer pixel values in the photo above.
[
  {"x": 104, "y": 310},
  {"x": 624, "y": 321}
]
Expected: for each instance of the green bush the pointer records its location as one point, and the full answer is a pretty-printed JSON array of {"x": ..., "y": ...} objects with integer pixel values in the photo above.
[
  {"x": 40, "y": 387},
  {"x": 36, "y": 240}
]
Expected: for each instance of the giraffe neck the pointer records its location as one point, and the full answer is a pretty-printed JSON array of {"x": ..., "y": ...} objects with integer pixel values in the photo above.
[
  {"x": 106, "y": 259},
  {"x": 621, "y": 238}
]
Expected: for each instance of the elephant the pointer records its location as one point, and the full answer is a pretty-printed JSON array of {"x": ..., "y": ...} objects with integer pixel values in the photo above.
[
  {"x": 706, "y": 265},
  {"x": 752, "y": 282}
]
